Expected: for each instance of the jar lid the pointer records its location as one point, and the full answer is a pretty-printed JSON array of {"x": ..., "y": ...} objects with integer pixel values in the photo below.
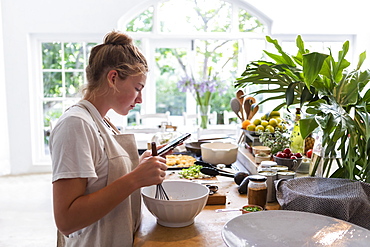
[
  {"x": 267, "y": 173},
  {"x": 268, "y": 163},
  {"x": 257, "y": 178}
]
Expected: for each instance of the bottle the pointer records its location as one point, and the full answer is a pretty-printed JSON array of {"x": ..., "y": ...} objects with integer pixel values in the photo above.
[
  {"x": 297, "y": 142},
  {"x": 257, "y": 190}
]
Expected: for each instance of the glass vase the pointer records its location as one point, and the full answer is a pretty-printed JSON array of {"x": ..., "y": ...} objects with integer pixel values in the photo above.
[{"x": 203, "y": 111}]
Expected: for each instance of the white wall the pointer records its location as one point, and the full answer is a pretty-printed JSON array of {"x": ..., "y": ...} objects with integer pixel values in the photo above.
[
  {"x": 4, "y": 139},
  {"x": 20, "y": 18}
]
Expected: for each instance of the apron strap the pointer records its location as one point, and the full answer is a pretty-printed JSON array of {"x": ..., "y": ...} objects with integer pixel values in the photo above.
[{"x": 111, "y": 126}]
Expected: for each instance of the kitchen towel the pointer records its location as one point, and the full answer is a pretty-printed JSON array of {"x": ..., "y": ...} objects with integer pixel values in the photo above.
[{"x": 339, "y": 198}]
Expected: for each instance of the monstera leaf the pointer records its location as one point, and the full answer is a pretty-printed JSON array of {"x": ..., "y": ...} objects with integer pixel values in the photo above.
[{"x": 336, "y": 100}]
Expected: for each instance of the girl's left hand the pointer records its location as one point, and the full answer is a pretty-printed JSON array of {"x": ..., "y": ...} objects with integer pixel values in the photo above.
[{"x": 148, "y": 153}]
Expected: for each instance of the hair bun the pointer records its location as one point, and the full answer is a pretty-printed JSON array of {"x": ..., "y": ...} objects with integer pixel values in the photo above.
[{"x": 117, "y": 38}]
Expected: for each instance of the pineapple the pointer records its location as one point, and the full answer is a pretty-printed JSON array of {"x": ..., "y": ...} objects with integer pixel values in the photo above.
[{"x": 308, "y": 143}]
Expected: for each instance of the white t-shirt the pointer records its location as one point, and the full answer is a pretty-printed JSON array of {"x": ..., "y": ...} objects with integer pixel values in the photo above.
[{"x": 77, "y": 149}]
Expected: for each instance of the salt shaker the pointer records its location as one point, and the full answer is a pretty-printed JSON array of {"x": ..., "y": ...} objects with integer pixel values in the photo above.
[{"x": 257, "y": 190}]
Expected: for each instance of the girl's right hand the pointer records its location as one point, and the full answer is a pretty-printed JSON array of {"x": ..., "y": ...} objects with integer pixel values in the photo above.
[{"x": 151, "y": 170}]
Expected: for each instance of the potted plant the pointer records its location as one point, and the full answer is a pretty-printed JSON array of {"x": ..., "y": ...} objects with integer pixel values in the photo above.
[{"x": 336, "y": 100}]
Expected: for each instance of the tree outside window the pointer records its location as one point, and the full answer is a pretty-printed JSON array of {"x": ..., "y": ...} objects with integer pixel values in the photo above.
[
  {"x": 199, "y": 21},
  {"x": 63, "y": 76}
]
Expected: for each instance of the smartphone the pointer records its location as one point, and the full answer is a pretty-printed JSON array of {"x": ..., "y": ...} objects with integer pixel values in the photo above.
[{"x": 174, "y": 143}]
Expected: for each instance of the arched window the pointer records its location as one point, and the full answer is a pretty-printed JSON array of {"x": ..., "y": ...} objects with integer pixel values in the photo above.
[
  {"x": 179, "y": 38},
  {"x": 193, "y": 38}
]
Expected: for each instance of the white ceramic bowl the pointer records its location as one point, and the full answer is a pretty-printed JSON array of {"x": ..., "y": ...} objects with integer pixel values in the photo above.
[
  {"x": 219, "y": 152},
  {"x": 187, "y": 200}
]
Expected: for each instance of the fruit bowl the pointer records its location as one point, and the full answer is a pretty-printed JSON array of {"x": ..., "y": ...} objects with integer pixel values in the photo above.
[{"x": 292, "y": 164}]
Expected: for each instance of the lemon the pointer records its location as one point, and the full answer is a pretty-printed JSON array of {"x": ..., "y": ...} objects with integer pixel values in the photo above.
[
  {"x": 270, "y": 129},
  {"x": 273, "y": 122},
  {"x": 257, "y": 121},
  {"x": 259, "y": 128},
  {"x": 279, "y": 119},
  {"x": 264, "y": 123},
  {"x": 274, "y": 114},
  {"x": 251, "y": 127}
]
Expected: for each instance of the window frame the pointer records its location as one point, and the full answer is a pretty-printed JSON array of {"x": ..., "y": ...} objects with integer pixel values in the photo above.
[{"x": 39, "y": 158}]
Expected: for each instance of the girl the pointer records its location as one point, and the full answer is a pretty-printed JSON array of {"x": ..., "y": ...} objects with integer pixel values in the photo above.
[{"x": 97, "y": 172}]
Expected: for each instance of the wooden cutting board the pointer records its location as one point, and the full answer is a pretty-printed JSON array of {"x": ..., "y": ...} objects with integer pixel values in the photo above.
[{"x": 218, "y": 198}]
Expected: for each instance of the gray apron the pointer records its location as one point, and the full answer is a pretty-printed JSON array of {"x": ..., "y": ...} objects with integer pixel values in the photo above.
[{"x": 118, "y": 227}]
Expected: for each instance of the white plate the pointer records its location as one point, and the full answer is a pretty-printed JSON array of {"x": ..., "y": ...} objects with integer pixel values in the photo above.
[{"x": 292, "y": 228}]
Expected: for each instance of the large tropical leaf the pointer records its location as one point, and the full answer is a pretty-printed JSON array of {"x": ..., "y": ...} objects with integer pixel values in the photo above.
[
  {"x": 284, "y": 58},
  {"x": 312, "y": 64}
]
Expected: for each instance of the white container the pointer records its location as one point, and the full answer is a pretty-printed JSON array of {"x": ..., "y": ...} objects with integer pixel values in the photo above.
[
  {"x": 259, "y": 158},
  {"x": 271, "y": 191},
  {"x": 266, "y": 165},
  {"x": 286, "y": 175},
  {"x": 278, "y": 168},
  {"x": 304, "y": 167},
  {"x": 261, "y": 150},
  {"x": 219, "y": 153},
  {"x": 187, "y": 200}
]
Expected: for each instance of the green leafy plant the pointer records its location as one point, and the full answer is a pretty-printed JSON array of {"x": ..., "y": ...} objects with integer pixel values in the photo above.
[
  {"x": 336, "y": 99},
  {"x": 277, "y": 141}
]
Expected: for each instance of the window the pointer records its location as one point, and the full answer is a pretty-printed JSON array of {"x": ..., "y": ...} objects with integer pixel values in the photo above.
[
  {"x": 63, "y": 75},
  {"x": 223, "y": 38},
  {"x": 204, "y": 40}
]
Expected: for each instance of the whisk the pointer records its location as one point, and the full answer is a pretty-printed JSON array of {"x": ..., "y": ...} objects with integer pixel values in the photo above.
[{"x": 160, "y": 193}]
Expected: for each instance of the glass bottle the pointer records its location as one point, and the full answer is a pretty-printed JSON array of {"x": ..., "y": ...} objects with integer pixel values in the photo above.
[
  {"x": 257, "y": 190},
  {"x": 297, "y": 142}
]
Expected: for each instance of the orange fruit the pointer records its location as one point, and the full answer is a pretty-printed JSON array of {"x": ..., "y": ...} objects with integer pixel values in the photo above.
[{"x": 245, "y": 123}]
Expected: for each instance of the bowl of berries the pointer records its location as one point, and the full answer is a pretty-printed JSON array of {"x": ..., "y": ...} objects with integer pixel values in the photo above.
[{"x": 287, "y": 158}]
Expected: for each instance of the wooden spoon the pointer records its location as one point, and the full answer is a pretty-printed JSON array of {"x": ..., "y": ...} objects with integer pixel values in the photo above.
[
  {"x": 247, "y": 108},
  {"x": 240, "y": 97},
  {"x": 254, "y": 110},
  {"x": 235, "y": 106},
  {"x": 248, "y": 102}
]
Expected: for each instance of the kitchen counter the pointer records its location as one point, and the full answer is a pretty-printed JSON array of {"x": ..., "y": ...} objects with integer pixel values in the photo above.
[{"x": 207, "y": 227}]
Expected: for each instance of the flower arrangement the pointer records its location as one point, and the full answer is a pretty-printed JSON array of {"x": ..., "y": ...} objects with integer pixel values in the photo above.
[{"x": 203, "y": 91}]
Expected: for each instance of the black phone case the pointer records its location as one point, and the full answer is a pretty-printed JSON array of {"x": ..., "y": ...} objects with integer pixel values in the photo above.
[{"x": 173, "y": 144}]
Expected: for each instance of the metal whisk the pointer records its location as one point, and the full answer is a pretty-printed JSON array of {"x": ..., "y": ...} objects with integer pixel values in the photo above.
[{"x": 160, "y": 193}]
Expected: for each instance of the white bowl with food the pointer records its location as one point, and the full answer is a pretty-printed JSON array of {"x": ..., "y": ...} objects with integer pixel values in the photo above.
[{"x": 186, "y": 200}]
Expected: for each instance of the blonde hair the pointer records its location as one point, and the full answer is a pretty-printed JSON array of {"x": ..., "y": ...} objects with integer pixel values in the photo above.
[{"x": 119, "y": 53}]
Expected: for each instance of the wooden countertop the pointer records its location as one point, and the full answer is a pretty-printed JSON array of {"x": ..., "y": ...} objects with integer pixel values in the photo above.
[{"x": 207, "y": 227}]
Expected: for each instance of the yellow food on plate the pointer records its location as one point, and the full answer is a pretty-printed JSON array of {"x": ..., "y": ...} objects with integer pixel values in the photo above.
[{"x": 180, "y": 160}]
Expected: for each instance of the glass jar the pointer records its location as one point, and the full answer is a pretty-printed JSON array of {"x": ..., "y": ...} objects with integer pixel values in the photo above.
[{"x": 257, "y": 190}]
